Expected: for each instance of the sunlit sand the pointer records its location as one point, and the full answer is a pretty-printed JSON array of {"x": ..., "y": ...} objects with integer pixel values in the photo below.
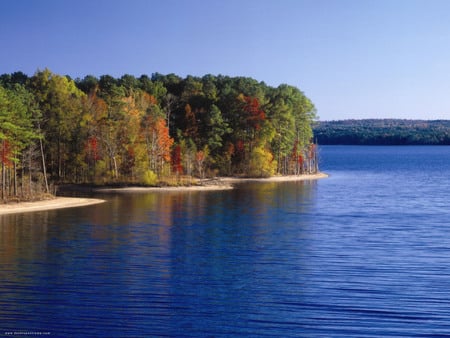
[{"x": 55, "y": 203}]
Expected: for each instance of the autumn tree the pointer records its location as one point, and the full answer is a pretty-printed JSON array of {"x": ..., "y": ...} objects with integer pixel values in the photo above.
[
  {"x": 190, "y": 125},
  {"x": 158, "y": 143},
  {"x": 201, "y": 158}
]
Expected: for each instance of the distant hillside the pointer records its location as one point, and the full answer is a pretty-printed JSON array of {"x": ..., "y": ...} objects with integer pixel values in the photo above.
[{"x": 383, "y": 132}]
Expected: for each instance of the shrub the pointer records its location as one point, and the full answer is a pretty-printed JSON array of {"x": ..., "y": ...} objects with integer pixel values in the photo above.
[{"x": 149, "y": 178}]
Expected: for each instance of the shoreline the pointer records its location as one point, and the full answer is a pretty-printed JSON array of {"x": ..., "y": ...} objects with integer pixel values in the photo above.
[
  {"x": 220, "y": 183},
  {"x": 52, "y": 204},
  {"x": 209, "y": 187}
]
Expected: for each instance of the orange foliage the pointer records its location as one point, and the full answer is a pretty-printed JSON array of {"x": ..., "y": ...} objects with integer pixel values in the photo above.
[
  {"x": 97, "y": 106},
  {"x": 164, "y": 140},
  {"x": 230, "y": 149},
  {"x": 200, "y": 156},
  {"x": 150, "y": 99},
  {"x": 158, "y": 140}
]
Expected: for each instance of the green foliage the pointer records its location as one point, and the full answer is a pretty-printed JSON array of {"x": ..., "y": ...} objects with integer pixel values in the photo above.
[
  {"x": 15, "y": 119},
  {"x": 60, "y": 102},
  {"x": 216, "y": 129},
  {"x": 17, "y": 135}
]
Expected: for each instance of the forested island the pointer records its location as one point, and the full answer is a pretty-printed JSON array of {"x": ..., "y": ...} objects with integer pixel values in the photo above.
[
  {"x": 149, "y": 130},
  {"x": 383, "y": 132}
]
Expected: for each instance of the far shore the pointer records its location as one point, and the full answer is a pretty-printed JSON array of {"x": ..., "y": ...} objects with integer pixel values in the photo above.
[
  {"x": 54, "y": 203},
  {"x": 220, "y": 183}
]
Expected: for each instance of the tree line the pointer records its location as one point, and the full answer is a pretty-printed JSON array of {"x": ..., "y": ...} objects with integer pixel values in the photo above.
[
  {"x": 383, "y": 132},
  {"x": 150, "y": 130}
]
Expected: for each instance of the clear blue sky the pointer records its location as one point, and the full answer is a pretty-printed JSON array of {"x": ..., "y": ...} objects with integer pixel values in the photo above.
[{"x": 352, "y": 58}]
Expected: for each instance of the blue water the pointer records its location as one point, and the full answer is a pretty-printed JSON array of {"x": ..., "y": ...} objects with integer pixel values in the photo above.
[{"x": 363, "y": 253}]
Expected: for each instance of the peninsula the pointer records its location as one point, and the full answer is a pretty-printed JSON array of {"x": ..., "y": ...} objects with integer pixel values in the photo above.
[{"x": 158, "y": 131}]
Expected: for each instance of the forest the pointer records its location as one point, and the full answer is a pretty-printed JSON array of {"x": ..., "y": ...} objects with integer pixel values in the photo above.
[
  {"x": 383, "y": 132},
  {"x": 149, "y": 130}
]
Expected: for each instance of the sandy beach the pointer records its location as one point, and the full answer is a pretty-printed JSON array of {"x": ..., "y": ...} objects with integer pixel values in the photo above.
[
  {"x": 56, "y": 203},
  {"x": 286, "y": 178}
]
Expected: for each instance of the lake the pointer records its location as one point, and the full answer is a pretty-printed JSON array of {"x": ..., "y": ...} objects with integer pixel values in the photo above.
[{"x": 363, "y": 253}]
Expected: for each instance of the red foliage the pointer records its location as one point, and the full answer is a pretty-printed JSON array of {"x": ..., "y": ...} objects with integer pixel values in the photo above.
[
  {"x": 294, "y": 150},
  {"x": 130, "y": 152},
  {"x": 92, "y": 148},
  {"x": 240, "y": 146},
  {"x": 191, "y": 123},
  {"x": 255, "y": 114},
  {"x": 176, "y": 160},
  {"x": 6, "y": 153}
]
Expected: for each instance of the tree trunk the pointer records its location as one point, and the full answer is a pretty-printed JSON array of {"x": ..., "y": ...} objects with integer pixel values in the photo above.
[
  {"x": 3, "y": 181},
  {"x": 30, "y": 181},
  {"x": 15, "y": 179},
  {"x": 44, "y": 169},
  {"x": 116, "y": 171},
  {"x": 22, "y": 175}
]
